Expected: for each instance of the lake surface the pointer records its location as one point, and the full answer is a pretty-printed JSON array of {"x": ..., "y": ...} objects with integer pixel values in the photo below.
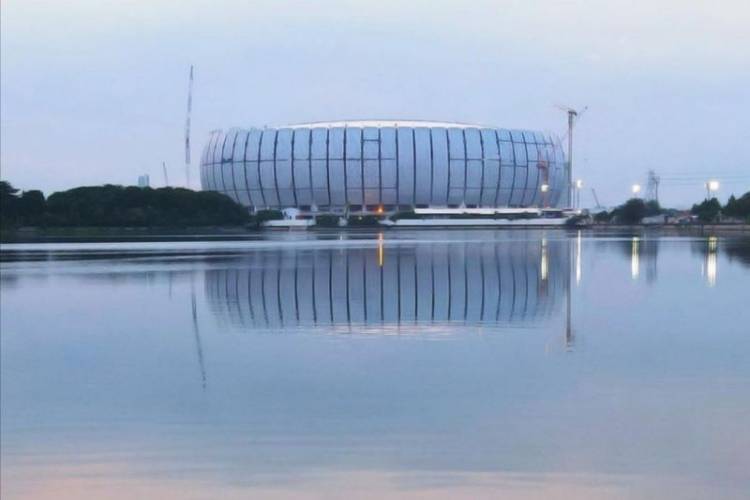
[{"x": 476, "y": 364}]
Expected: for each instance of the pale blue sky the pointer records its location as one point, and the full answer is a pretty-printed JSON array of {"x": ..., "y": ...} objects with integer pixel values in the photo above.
[{"x": 94, "y": 91}]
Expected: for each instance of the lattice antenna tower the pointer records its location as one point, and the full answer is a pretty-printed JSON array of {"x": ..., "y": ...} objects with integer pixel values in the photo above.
[{"x": 652, "y": 186}]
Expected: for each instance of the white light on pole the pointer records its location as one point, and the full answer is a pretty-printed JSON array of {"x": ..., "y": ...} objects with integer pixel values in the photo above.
[
  {"x": 579, "y": 185},
  {"x": 711, "y": 187},
  {"x": 545, "y": 188},
  {"x": 636, "y": 189}
]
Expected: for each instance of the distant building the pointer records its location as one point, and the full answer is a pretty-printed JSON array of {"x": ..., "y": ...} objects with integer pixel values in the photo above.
[
  {"x": 143, "y": 181},
  {"x": 384, "y": 166}
]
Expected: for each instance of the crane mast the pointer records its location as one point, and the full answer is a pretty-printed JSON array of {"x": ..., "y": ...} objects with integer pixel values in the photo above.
[
  {"x": 573, "y": 115},
  {"x": 187, "y": 127}
]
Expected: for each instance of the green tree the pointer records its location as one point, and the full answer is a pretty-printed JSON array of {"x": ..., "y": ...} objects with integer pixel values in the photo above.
[
  {"x": 632, "y": 212},
  {"x": 8, "y": 199},
  {"x": 707, "y": 210},
  {"x": 738, "y": 207},
  {"x": 653, "y": 208},
  {"x": 603, "y": 216},
  {"x": 32, "y": 203}
]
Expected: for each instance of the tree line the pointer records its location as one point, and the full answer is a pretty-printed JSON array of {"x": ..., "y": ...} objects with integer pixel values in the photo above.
[
  {"x": 635, "y": 210},
  {"x": 118, "y": 206}
]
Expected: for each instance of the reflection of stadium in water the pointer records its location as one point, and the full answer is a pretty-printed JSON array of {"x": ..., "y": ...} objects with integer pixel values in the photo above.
[{"x": 474, "y": 282}]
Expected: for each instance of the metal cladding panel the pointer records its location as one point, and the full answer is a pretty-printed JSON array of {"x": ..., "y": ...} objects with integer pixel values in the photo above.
[
  {"x": 353, "y": 138},
  {"x": 251, "y": 171},
  {"x": 228, "y": 150},
  {"x": 336, "y": 170},
  {"x": 474, "y": 166},
  {"x": 388, "y": 170},
  {"x": 423, "y": 166},
  {"x": 371, "y": 166},
  {"x": 532, "y": 155},
  {"x": 267, "y": 169},
  {"x": 354, "y": 188},
  {"x": 218, "y": 147},
  {"x": 371, "y": 181},
  {"x": 319, "y": 172},
  {"x": 439, "y": 166},
  {"x": 206, "y": 161},
  {"x": 506, "y": 153},
  {"x": 520, "y": 173},
  {"x": 457, "y": 166},
  {"x": 405, "y": 159},
  {"x": 302, "y": 144},
  {"x": 491, "y": 179},
  {"x": 529, "y": 137},
  {"x": 227, "y": 180},
  {"x": 239, "y": 177},
  {"x": 370, "y": 147},
  {"x": 473, "y": 144},
  {"x": 353, "y": 165},
  {"x": 301, "y": 166},
  {"x": 364, "y": 166},
  {"x": 216, "y": 160},
  {"x": 283, "y": 165},
  {"x": 319, "y": 166},
  {"x": 205, "y": 156},
  {"x": 319, "y": 144},
  {"x": 243, "y": 197},
  {"x": 252, "y": 151}
]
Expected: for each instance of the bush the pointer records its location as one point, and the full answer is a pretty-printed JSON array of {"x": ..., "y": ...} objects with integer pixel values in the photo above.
[
  {"x": 405, "y": 214},
  {"x": 602, "y": 217},
  {"x": 266, "y": 215},
  {"x": 327, "y": 220},
  {"x": 362, "y": 220}
]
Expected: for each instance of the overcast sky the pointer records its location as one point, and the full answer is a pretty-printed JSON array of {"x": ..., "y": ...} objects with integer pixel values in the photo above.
[{"x": 95, "y": 91}]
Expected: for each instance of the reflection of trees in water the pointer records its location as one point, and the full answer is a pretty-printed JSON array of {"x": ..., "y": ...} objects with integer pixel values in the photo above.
[
  {"x": 709, "y": 247},
  {"x": 737, "y": 250},
  {"x": 469, "y": 282}
]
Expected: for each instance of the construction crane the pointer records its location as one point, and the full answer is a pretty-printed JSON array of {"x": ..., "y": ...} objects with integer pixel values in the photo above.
[
  {"x": 187, "y": 127},
  {"x": 596, "y": 199},
  {"x": 573, "y": 116}
]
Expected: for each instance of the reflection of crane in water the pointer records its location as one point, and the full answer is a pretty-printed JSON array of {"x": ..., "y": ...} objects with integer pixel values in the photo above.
[
  {"x": 572, "y": 269},
  {"x": 198, "y": 345}
]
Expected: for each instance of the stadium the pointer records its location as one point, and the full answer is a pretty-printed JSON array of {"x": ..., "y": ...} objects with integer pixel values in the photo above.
[{"x": 376, "y": 167}]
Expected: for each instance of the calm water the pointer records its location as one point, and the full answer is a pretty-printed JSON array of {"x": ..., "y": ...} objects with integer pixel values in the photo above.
[{"x": 477, "y": 364}]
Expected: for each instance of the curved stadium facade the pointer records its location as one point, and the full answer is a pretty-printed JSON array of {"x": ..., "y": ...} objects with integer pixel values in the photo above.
[{"x": 384, "y": 166}]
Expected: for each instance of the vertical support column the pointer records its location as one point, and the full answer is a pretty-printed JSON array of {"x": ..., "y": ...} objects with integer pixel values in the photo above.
[{"x": 571, "y": 118}]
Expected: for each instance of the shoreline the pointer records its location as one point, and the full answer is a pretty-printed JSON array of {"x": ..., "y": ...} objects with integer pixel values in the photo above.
[{"x": 229, "y": 233}]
